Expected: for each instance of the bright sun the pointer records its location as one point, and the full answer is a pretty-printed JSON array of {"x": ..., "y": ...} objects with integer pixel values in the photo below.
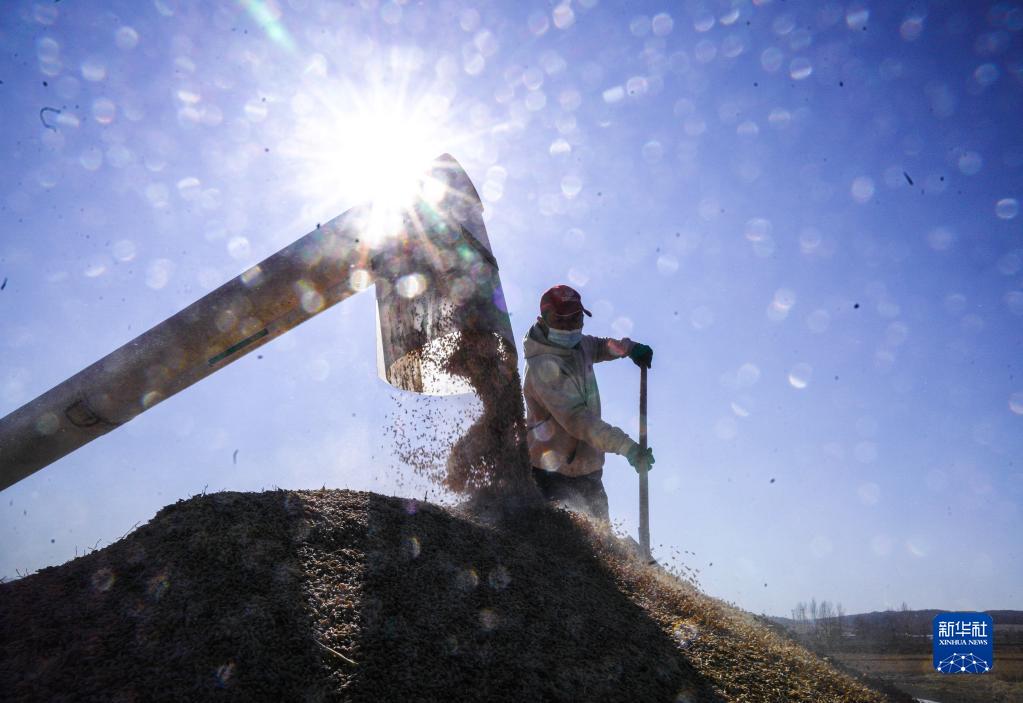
[{"x": 351, "y": 148}]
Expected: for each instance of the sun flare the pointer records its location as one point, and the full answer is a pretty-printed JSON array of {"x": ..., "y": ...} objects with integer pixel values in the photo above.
[{"x": 352, "y": 149}]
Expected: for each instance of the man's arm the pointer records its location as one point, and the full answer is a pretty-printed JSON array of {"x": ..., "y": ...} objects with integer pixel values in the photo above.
[
  {"x": 565, "y": 402},
  {"x": 604, "y": 349},
  {"x": 607, "y": 349}
]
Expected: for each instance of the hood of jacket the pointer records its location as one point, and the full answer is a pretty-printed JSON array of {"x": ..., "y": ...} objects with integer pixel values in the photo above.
[{"x": 536, "y": 343}]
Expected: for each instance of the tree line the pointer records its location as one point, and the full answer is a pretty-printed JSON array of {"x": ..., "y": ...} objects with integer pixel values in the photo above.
[{"x": 826, "y": 624}]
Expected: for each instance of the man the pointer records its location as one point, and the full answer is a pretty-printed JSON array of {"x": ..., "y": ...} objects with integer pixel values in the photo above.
[{"x": 566, "y": 437}]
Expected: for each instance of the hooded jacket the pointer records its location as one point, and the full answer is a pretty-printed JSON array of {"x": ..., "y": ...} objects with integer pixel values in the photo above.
[{"x": 565, "y": 432}]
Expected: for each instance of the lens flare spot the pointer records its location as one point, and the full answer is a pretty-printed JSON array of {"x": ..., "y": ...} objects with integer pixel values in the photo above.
[
  {"x": 96, "y": 267},
  {"x": 810, "y": 240},
  {"x": 653, "y": 151},
  {"x": 1007, "y": 208},
  {"x": 911, "y": 27},
  {"x": 781, "y": 305},
  {"x": 574, "y": 238},
  {"x": 800, "y": 69},
  {"x": 559, "y": 146},
  {"x": 1016, "y": 402},
  {"x": 732, "y": 46},
  {"x": 1014, "y": 301},
  {"x": 238, "y": 247},
  {"x": 747, "y": 128},
  {"x": 771, "y": 59},
  {"x": 252, "y": 276},
  {"x": 151, "y": 398},
  {"x": 613, "y": 95},
  {"x": 488, "y": 619},
  {"x": 467, "y": 579},
  {"x": 360, "y": 280},
  {"x": 563, "y": 15},
  {"x": 411, "y": 547},
  {"x": 159, "y": 273},
  {"x": 779, "y": 117},
  {"x": 941, "y": 238},
  {"x": 412, "y": 286},
  {"x": 667, "y": 264},
  {"x": 799, "y": 375},
  {"x": 499, "y": 578},
  {"x": 916, "y": 548},
  {"x": 47, "y": 424},
  {"x": 124, "y": 250},
  {"x": 544, "y": 431},
  {"x": 157, "y": 586},
  {"x": 862, "y": 189},
  {"x": 857, "y": 17},
  {"x": 47, "y": 50},
  {"x": 312, "y": 301},
  {"x": 758, "y": 229},
  {"x": 685, "y": 633},
  {"x": 622, "y": 326},
  {"x": 103, "y": 580},
  {"x": 119, "y": 156},
  {"x": 189, "y": 188},
  {"x": 93, "y": 70},
  {"x": 571, "y": 185},
  {"x": 662, "y": 24},
  {"x": 985, "y": 75},
  {"x": 158, "y": 195},
  {"x": 704, "y": 22},
  {"x": 223, "y": 674},
  {"x": 126, "y": 38},
  {"x": 970, "y": 163},
  {"x": 104, "y": 110},
  {"x": 747, "y": 375},
  {"x": 549, "y": 460},
  {"x": 578, "y": 277},
  {"x": 91, "y": 159},
  {"x": 701, "y": 318},
  {"x": 226, "y": 320}
]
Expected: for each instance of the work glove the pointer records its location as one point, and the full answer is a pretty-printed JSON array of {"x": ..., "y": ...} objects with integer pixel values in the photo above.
[
  {"x": 641, "y": 355},
  {"x": 639, "y": 457}
]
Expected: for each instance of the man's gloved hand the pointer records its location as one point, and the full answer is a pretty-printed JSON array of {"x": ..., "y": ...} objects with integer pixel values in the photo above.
[
  {"x": 640, "y": 458},
  {"x": 641, "y": 355}
]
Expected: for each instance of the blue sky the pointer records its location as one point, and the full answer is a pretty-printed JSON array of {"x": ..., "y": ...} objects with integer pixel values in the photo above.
[{"x": 836, "y": 402}]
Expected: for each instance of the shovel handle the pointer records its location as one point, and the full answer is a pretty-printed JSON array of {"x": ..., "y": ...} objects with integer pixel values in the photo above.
[{"x": 644, "y": 489}]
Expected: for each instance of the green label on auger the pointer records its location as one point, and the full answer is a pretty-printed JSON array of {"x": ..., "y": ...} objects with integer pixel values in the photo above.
[{"x": 238, "y": 347}]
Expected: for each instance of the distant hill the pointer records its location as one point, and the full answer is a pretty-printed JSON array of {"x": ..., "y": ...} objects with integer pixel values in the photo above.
[
  {"x": 345, "y": 596},
  {"x": 909, "y": 622}
]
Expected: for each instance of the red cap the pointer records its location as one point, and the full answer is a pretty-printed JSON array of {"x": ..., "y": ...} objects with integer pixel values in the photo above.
[{"x": 561, "y": 302}]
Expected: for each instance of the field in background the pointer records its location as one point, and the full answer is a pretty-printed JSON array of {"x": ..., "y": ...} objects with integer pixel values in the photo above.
[{"x": 914, "y": 674}]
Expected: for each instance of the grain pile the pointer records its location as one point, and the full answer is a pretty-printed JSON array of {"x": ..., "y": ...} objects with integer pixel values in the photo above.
[{"x": 337, "y": 595}]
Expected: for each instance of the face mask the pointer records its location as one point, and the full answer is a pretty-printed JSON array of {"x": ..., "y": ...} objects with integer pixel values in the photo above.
[{"x": 564, "y": 338}]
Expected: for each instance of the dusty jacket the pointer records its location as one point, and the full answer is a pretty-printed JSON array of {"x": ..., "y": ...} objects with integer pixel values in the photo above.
[{"x": 566, "y": 433}]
